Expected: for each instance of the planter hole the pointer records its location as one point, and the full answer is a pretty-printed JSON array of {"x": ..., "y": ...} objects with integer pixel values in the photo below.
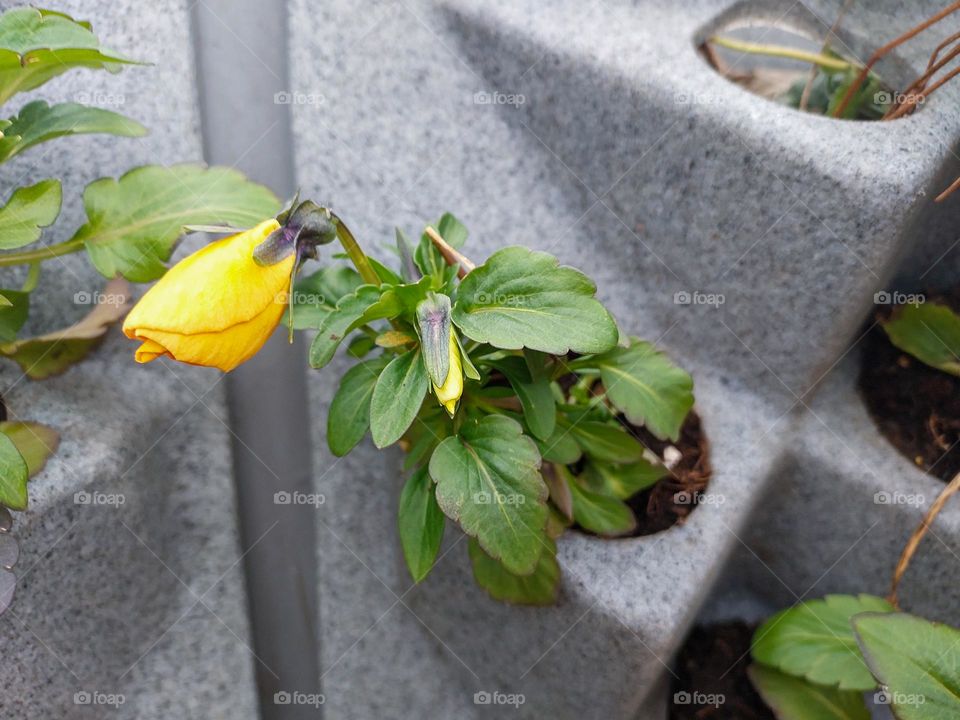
[
  {"x": 711, "y": 675},
  {"x": 916, "y": 407},
  {"x": 779, "y": 64}
]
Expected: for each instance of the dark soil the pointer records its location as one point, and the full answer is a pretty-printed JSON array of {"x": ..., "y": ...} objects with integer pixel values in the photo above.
[
  {"x": 713, "y": 662},
  {"x": 674, "y": 497},
  {"x": 916, "y": 407}
]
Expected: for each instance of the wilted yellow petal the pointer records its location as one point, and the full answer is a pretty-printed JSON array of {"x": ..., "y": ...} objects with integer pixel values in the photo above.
[{"x": 449, "y": 393}]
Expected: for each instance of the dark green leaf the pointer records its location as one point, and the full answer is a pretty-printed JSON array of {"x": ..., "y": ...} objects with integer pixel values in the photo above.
[
  {"x": 814, "y": 640},
  {"x": 13, "y": 475},
  {"x": 488, "y": 480},
  {"x": 602, "y": 441},
  {"x": 38, "y": 122},
  {"x": 929, "y": 332},
  {"x": 538, "y": 588},
  {"x": 397, "y": 397},
  {"x": 601, "y": 514},
  {"x": 536, "y": 397},
  {"x": 317, "y": 295},
  {"x": 349, "y": 415},
  {"x": 134, "y": 222},
  {"x": 561, "y": 447},
  {"x": 360, "y": 346},
  {"x": 37, "y": 45},
  {"x": 13, "y": 314},
  {"x": 917, "y": 662},
  {"x": 624, "y": 481},
  {"x": 791, "y": 698},
  {"x": 645, "y": 386},
  {"x": 421, "y": 524},
  {"x": 336, "y": 325},
  {"x": 522, "y": 299},
  {"x": 27, "y": 211}
]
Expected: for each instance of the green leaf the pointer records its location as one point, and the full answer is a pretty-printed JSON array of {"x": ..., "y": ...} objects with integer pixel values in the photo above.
[
  {"x": 624, "y": 481},
  {"x": 134, "y": 222},
  {"x": 791, "y": 698},
  {"x": 51, "y": 354},
  {"x": 13, "y": 314},
  {"x": 536, "y": 397},
  {"x": 645, "y": 386},
  {"x": 488, "y": 480},
  {"x": 37, "y": 45},
  {"x": 38, "y": 122},
  {"x": 561, "y": 447},
  {"x": 316, "y": 296},
  {"x": 814, "y": 640},
  {"x": 421, "y": 524},
  {"x": 538, "y": 588},
  {"x": 917, "y": 662},
  {"x": 929, "y": 332},
  {"x": 27, "y": 211},
  {"x": 360, "y": 346},
  {"x": 13, "y": 475},
  {"x": 349, "y": 415},
  {"x": 601, "y": 514},
  {"x": 433, "y": 320},
  {"x": 337, "y": 324},
  {"x": 520, "y": 298},
  {"x": 34, "y": 441},
  {"x": 397, "y": 397},
  {"x": 606, "y": 442}
]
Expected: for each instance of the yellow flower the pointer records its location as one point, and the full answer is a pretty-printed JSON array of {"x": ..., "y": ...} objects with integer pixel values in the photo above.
[
  {"x": 452, "y": 387},
  {"x": 216, "y": 307}
]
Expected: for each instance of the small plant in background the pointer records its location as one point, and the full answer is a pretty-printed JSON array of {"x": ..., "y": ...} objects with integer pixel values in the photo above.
[
  {"x": 132, "y": 226},
  {"x": 508, "y": 384}
]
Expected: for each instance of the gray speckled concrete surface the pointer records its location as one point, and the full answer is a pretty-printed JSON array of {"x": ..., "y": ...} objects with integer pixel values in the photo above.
[
  {"x": 144, "y": 599},
  {"x": 653, "y": 182}
]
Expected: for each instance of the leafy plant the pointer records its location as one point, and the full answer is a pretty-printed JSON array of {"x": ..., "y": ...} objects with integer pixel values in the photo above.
[
  {"x": 538, "y": 436},
  {"x": 132, "y": 223},
  {"x": 929, "y": 332}
]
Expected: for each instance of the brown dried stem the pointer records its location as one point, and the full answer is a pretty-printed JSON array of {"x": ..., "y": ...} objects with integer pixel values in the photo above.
[
  {"x": 918, "y": 92},
  {"x": 914, "y": 542},
  {"x": 896, "y": 42},
  {"x": 450, "y": 254}
]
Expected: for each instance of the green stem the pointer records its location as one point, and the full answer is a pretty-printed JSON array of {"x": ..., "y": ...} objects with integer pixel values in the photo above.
[
  {"x": 825, "y": 61},
  {"x": 357, "y": 255},
  {"x": 40, "y": 254}
]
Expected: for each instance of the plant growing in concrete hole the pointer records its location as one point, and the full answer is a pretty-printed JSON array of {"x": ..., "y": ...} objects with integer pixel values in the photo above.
[
  {"x": 132, "y": 223},
  {"x": 508, "y": 384},
  {"x": 818, "y": 658}
]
